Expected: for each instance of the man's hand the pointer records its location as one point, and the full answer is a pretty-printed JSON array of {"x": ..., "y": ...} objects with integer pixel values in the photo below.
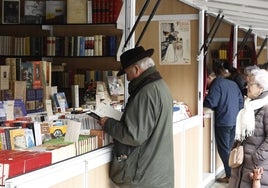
[{"x": 102, "y": 121}]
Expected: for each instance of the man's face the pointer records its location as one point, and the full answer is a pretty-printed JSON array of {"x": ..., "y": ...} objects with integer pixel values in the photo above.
[
  {"x": 131, "y": 72},
  {"x": 210, "y": 78}
]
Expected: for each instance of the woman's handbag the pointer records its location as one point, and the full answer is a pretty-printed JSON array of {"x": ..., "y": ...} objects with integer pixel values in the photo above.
[{"x": 236, "y": 156}]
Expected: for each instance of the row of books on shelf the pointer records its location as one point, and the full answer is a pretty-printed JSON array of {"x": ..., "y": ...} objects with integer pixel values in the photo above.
[
  {"x": 223, "y": 54},
  {"x": 13, "y": 108},
  {"x": 24, "y": 133},
  {"x": 22, "y": 103},
  {"x": 97, "y": 45},
  {"x": 219, "y": 54},
  {"x": 39, "y": 74},
  {"x": 60, "y": 11},
  {"x": 82, "y": 78},
  {"x": 36, "y": 74},
  {"x": 98, "y": 11}
]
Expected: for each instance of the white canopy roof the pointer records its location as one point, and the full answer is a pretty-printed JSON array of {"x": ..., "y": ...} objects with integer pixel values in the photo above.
[{"x": 247, "y": 14}]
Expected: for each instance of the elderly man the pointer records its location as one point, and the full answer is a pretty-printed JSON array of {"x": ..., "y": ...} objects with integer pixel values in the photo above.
[{"x": 143, "y": 138}]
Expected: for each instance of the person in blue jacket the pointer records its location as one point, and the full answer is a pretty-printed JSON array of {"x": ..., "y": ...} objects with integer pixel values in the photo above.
[{"x": 225, "y": 99}]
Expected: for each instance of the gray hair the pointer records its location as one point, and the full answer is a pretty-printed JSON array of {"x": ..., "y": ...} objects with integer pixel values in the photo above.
[
  {"x": 145, "y": 63},
  {"x": 248, "y": 70},
  {"x": 261, "y": 78}
]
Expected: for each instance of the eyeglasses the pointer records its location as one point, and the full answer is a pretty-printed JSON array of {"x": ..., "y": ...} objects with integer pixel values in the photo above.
[{"x": 252, "y": 84}]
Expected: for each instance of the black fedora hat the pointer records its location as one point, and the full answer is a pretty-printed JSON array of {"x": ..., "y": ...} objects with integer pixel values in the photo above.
[{"x": 132, "y": 56}]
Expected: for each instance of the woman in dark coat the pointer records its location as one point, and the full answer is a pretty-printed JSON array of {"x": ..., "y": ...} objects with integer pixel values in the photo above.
[{"x": 252, "y": 126}]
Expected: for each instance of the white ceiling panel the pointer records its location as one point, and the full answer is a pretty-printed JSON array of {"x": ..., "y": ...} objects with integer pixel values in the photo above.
[{"x": 247, "y": 14}]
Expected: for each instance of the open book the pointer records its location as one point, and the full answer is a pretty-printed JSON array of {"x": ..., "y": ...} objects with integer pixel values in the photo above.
[{"x": 105, "y": 110}]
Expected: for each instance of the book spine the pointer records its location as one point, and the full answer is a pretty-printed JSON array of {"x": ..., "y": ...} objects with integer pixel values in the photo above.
[
  {"x": 104, "y": 45},
  {"x": 89, "y": 11},
  {"x": 87, "y": 45},
  {"x": 94, "y": 11},
  {"x": 98, "y": 13},
  {"x": 116, "y": 9},
  {"x": 3, "y": 139},
  {"x": 82, "y": 46},
  {"x": 91, "y": 46},
  {"x": 37, "y": 74},
  {"x": 18, "y": 67},
  {"x": 39, "y": 98},
  {"x": 59, "y": 46},
  {"x": 100, "y": 52},
  {"x": 30, "y": 100},
  {"x": 96, "y": 45},
  {"x": 7, "y": 138},
  {"x": 111, "y": 45}
]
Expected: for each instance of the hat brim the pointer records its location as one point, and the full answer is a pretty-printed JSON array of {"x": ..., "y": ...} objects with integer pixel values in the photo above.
[{"x": 147, "y": 53}]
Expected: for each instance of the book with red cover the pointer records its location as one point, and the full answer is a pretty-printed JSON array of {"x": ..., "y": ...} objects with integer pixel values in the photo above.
[
  {"x": 16, "y": 162},
  {"x": 36, "y": 160},
  {"x": 117, "y": 5},
  {"x": 96, "y": 11},
  {"x": 10, "y": 167}
]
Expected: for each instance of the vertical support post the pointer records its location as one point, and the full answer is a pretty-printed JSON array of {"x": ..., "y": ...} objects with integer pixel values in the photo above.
[
  {"x": 235, "y": 46},
  {"x": 201, "y": 62},
  {"x": 130, "y": 9}
]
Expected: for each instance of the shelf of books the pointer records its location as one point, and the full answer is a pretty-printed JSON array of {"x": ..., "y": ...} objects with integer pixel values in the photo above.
[
  {"x": 244, "y": 56},
  {"x": 60, "y": 11},
  {"x": 47, "y": 47},
  {"x": 59, "y": 28}
]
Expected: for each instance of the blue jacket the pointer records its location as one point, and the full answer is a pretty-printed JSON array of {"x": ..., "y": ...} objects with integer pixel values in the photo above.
[{"x": 225, "y": 99}]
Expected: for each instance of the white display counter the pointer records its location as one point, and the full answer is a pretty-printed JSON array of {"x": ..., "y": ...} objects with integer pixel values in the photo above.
[{"x": 91, "y": 170}]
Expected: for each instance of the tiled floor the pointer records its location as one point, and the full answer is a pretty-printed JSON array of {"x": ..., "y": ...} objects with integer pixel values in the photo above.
[{"x": 218, "y": 185}]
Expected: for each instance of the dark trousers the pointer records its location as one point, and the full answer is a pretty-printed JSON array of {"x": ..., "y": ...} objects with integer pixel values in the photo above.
[{"x": 224, "y": 136}]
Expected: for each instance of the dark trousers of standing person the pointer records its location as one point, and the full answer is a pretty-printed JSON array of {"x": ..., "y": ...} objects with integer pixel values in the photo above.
[{"x": 224, "y": 136}]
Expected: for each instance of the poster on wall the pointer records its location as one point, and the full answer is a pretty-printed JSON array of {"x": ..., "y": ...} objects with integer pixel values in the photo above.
[{"x": 175, "y": 42}]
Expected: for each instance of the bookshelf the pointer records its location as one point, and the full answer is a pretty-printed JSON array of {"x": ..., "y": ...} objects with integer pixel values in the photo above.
[
  {"x": 57, "y": 39},
  {"x": 244, "y": 57}
]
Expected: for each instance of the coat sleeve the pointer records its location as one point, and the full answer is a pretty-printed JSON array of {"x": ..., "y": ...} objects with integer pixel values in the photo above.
[
  {"x": 213, "y": 97},
  {"x": 138, "y": 120},
  {"x": 261, "y": 154}
]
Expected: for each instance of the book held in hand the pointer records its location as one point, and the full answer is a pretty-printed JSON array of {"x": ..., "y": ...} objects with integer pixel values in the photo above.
[{"x": 94, "y": 115}]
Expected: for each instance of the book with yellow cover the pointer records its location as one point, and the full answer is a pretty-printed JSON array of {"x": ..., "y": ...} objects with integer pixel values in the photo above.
[{"x": 17, "y": 139}]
